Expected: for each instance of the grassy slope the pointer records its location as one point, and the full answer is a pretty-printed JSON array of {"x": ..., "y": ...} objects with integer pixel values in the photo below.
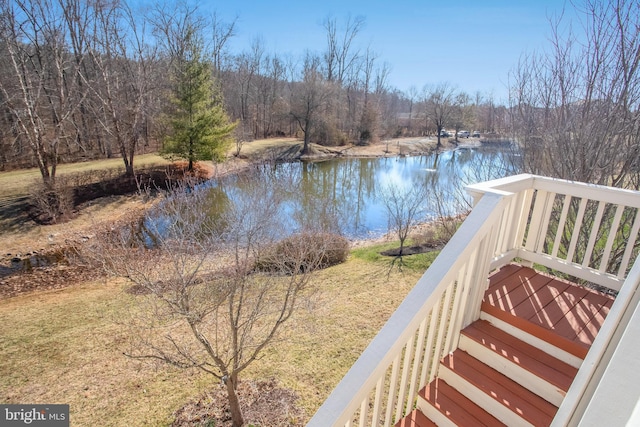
[
  {"x": 19, "y": 182},
  {"x": 65, "y": 347}
]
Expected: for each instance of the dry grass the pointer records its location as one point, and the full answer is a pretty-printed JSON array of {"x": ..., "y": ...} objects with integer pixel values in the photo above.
[
  {"x": 20, "y": 182},
  {"x": 65, "y": 347},
  {"x": 257, "y": 148}
]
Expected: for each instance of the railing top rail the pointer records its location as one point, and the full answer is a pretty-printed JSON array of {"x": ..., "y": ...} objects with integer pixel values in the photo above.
[
  {"x": 522, "y": 182},
  {"x": 362, "y": 376}
]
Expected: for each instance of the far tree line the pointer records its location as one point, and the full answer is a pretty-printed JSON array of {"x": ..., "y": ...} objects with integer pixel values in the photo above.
[{"x": 84, "y": 79}]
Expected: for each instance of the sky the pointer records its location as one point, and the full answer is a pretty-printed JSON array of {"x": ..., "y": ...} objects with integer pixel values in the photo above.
[{"x": 470, "y": 44}]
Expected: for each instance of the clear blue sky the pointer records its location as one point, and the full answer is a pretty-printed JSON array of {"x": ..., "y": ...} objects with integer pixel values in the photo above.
[{"x": 472, "y": 44}]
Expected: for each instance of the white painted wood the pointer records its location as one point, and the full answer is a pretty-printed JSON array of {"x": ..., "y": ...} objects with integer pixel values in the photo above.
[
  {"x": 518, "y": 374},
  {"x": 419, "y": 357},
  {"x": 613, "y": 231},
  {"x": 364, "y": 408},
  {"x": 561, "y": 224},
  {"x": 539, "y": 207},
  {"x": 482, "y": 399},
  {"x": 427, "y": 373},
  {"x": 511, "y": 184},
  {"x": 603, "y": 279},
  {"x": 616, "y": 196},
  {"x": 615, "y": 399},
  {"x": 458, "y": 309},
  {"x": 444, "y": 320},
  {"x": 437, "y": 343},
  {"x": 593, "y": 235},
  {"x": 575, "y": 233},
  {"x": 538, "y": 343},
  {"x": 503, "y": 259},
  {"x": 546, "y": 216},
  {"x": 524, "y": 215},
  {"x": 431, "y": 412},
  {"x": 391, "y": 400},
  {"x": 629, "y": 249},
  {"x": 584, "y": 385},
  {"x": 402, "y": 393},
  {"x": 377, "y": 403}
]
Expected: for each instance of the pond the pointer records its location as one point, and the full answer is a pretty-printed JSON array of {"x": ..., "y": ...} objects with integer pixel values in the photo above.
[{"x": 349, "y": 188}]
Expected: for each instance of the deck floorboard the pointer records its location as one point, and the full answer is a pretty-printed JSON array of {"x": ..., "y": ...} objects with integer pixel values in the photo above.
[{"x": 573, "y": 312}]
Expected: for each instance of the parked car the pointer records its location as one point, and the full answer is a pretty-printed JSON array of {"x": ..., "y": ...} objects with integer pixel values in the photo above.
[
  {"x": 463, "y": 134},
  {"x": 475, "y": 134},
  {"x": 444, "y": 133}
]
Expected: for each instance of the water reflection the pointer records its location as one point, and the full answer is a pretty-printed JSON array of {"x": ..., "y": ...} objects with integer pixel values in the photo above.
[{"x": 343, "y": 191}]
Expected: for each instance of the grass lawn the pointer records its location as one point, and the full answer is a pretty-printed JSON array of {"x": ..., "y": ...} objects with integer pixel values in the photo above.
[
  {"x": 66, "y": 346},
  {"x": 20, "y": 182}
]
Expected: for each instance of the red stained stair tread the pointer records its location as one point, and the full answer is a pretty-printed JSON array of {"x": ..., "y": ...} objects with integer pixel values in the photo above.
[
  {"x": 460, "y": 410},
  {"x": 415, "y": 419},
  {"x": 536, "y": 361},
  {"x": 507, "y": 392}
]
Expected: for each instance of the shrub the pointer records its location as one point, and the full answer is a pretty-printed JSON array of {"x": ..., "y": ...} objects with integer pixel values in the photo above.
[
  {"x": 305, "y": 252},
  {"x": 49, "y": 205}
]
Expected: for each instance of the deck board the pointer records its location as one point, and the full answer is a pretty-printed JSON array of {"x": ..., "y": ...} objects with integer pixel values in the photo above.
[{"x": 573, "y": 312}]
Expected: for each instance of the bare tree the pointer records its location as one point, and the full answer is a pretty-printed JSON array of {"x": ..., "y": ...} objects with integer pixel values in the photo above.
[
  {"x": 247, "y": 70},
  {"x": 412, "y": 95},
  {"x": 122, "y": 60},
  {"x": 462, "y": 114},
  {"x": 42, "y": 91},
  {"x": 575, "y": 106},
  {"x": 309, "y": 97},
  {"x": 340, "y": 56},
  {"x": 439, "y": 106},
  {"x": 221, "y": 33},
  {"x": 216, "y": 285},
  {"x": 405, "y": 208}
]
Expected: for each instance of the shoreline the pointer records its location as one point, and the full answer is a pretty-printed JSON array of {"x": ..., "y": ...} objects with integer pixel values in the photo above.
[{"x": 31, "y": 241}]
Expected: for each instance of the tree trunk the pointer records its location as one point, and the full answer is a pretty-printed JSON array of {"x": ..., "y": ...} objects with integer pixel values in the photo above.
[
  {"x": 234, "y": 403},
  {"x": 305, "y": 146}
]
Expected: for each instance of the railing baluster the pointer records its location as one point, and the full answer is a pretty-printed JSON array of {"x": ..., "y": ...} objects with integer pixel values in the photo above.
[
  {"x": 546, "y": 215},
  {"x": 511, "y": 223},
  {"x": 561, "y": 225},
  {"x": 535, "y": 224},
  {"x": 595, "y": 229},
  {"x": 630, "y": 245},
  {"x": 457, "y": 310},
  {"x": 377, "y": 403},
  {"x": 613, "y": 232},
  {"x": 427, "y": 374},
  {"x": 575, "y": 234},
  {"x": 527, "y": 199},
  {"x": 391, "y": 400},
  {"x": 402, "y": 393},
  {"x": 416, "y": 364},
  {"x": 443, "y": 321},
  {"x": 364, "y": 412}
]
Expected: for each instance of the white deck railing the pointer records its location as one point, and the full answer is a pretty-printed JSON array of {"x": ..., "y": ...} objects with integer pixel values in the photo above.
[{"x": 586, "y": 231}]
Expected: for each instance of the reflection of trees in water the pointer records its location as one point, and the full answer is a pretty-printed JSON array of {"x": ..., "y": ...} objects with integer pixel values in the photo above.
[
  {"x": 464, "y": 167},
  {"x": 336, "y": 190},
  {"x": 319, "y": 195},
  {"x": 156, "y": 226}
]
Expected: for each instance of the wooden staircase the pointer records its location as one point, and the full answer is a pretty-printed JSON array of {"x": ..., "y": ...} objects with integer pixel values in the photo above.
[{"x": 508, "y": 370}]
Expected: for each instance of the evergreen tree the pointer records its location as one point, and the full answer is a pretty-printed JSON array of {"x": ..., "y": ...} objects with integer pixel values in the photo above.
[{"x": 201, "y": 128}]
